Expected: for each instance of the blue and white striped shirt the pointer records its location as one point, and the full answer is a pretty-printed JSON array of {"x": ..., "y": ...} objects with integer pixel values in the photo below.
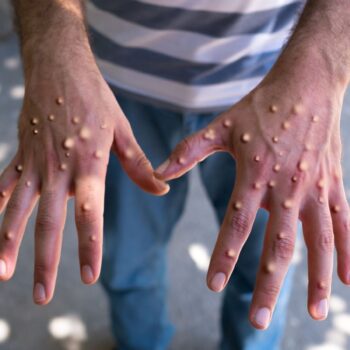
[{"x": 191, "y": 55}]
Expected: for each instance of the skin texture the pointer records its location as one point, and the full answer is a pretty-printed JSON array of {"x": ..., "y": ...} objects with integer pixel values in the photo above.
[
  {"x": 285, "y": 138},
  {"x": 69, "y": 123}
]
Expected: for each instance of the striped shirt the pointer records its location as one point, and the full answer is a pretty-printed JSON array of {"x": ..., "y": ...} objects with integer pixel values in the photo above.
[{"x": 191, "y": 55}]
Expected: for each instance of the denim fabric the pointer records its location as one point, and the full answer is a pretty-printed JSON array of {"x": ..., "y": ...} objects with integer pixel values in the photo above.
[{"x": 137, "y": 230}]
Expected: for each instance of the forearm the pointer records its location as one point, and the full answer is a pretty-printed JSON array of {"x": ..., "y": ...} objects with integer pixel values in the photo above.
[
  {"x": 51, "y": 31},
  {"x": 320, "y": 44}
]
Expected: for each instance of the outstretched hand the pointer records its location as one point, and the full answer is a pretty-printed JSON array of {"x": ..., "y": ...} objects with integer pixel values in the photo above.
[
  {"x": 285, "y": 139},
  {"x": 69, "y": 123}
]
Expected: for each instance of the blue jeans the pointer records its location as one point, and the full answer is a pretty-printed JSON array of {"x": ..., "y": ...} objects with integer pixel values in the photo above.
[{"x": 137, "y": 230}]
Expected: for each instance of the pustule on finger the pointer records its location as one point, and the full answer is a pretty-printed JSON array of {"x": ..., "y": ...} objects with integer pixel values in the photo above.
[
  {"x": 35, "y": 131},
  {"x": 230, "y": 253},
  {"x": 245, "y": 137},
  {"x": 315, "y": 118},
  {"x": 19, "y": 168},
  {"x": 67, "y": 154},
  {"x": 98, "y": 154},
  {"x": 303, "y": 165},
  {"x": 335, "y": 208},
  {"x": 320, "y": 183},
  {"x": 3, "y": 194},
  {"x": 237, "y": 205},
  {"x": 256, "y": 158},
  {"x": 8, "y": 235},
  {"x": 273, "y": 108},
  {"x": 68, "y": 143},
  {"x": 257, "y": 185},
  {"x": 281, "y": 235},
  {"x": 28, "y": 183},
  {"x": 285, "y": 125},
  {"x": 86, "y": 207},
  {"x": 129, "y": 153},
  {"x": 294, "y": 178},
  {"x": 308, "y": 147},
  {"x": 63, "y": 167},
  {"x": 321, "y": 285},
  {"x": 269, "y": 267},
  {"x": 209, "y": 134},
  {"x": 84, "y": 133},
  {"x": 75, "y": 120},
  {"x": 92, "y": 238},
  {"x": 181, "y": 160},
  {"x": 321, "y": 200},
  {"x": 34, "y": 121},
  {"x": 59, "y": 100},
  {"x": 281, "y": 153},
  {"x": 287, "y": 204},
  {"x": 271, "y": 184},
  {"x": 275, "y": 139},
  {"x": 227, "y": 123},
  {"x": 276, "y": 168},
  {"x": 297, "y": 108},
  {"x": 103, "y": 126},
  {"x": 51, "y": 117}
]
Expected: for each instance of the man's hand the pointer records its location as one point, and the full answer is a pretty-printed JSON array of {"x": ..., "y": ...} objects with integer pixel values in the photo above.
[
  {"x": 69, "y": 122},
  {"x": 285, "y": 139}
]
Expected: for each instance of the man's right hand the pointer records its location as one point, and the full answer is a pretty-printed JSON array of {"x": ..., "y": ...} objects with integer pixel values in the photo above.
[{"x": 69, "y": 122}]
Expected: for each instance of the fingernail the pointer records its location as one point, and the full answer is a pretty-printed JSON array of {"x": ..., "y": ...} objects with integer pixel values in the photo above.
[
  {"x": 218, "y": 281},
  {"x": 322, "y": 308},
  {"x": 163, "y": 167},
  {"x": 2, "y": 268},
  {"x": 262, "y": 317},
  {"x": 86, "y": 273},
  {"x": 39, "y": 292}
]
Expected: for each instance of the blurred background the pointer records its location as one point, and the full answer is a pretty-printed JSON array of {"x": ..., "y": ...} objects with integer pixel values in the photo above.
[{"x": 77, "y": 318}]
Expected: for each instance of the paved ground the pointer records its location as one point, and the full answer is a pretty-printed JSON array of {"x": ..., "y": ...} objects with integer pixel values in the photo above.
[{"x": 77, "y": 318}]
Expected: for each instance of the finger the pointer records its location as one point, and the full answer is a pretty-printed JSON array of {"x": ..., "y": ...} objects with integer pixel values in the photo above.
[
  {"x": 8, "y": 180},
  {"x": 193, "y": 150},
  {"x": 318, "y": 234},
  {"x": 277, "y": 253},
  {"x": 18, "y": 211},
  {"x": 340, "y": 214},
  {"x": 48, "y": 239},
  {"x": 135, "y": 163},
  {"x": 234, "y": 231},
  {"x": 89, "y": 206}
]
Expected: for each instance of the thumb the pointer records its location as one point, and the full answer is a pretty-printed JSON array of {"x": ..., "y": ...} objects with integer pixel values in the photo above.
[
  {"x": 135, "y": 163},
  {"x": 192, "y": 150}
]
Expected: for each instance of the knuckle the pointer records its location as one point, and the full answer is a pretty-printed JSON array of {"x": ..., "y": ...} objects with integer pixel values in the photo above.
[
  {"x": 45, "y": 223},
  {"x": 141, "y": 161},
  {"x": 283, "y": 248},
  {"x": 87, "y": 219},
  {"x": 326, "y": 241},
  {"x": 240, "y": 223},
  {"x": 271, "y": 291},
  {"x": 42, "y": 268}
]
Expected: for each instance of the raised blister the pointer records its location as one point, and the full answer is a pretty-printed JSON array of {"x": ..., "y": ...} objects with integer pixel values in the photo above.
[
  {"x": 8, "y": 236},
  {"x": 287, "y": 204},
  {"x": 237, "y": 205},
  {"x": 320, "y": 183},
  {"x": 35, "y": 131},
  {"x": 315, "y": 118},
  {"x": 321, "y": 199},
  {"x": 3, "y": 194},
  {"x": 281, "y": 235},
  {"x": 245, "y": 137},
  {"x": 92, "y": 238},
  {"x": 68, "y": 143},
  {"x": 321, "y": 285},
  {"x": 230, "y": 253},
  {"x": 257, "y": 185},
  {"x": 67, "y": 154},
  {"x": 274, "y": 139},
  {"x": 51, "y": 117},
  {"x": 84, "y": 133},
  {"x": 75, "y": 120},
  {"x": 294, "y": 178},
  {"x": 63, "y": 166},
  {"x": 308, "y": 147},
  {"x": 276, "y": 168},
  {"x": 209, "y": 134},
  {"x": 34, "y": 121},
  {"x": 86, "y": 207},
  {"x": 129, "y": 153},
  {"x": 181, "y": 160},
  {"x": 19, "y": 168},
  {"x": 285, "y": 125},
  {"x": 28, "y": 183},
  {"x": 271, "y": 184},
  {"x": 59, "y": 100},
  {"x": 297, "y": 108},
  {"x": 227, "y": 123},
  {"x": 98, "y": 154},
  {"x": 335, "y": 208},
  {"x": 273, "y": 108},
  {"x": 303, "y": 165},
  {"x": 270, "y": 267}
]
